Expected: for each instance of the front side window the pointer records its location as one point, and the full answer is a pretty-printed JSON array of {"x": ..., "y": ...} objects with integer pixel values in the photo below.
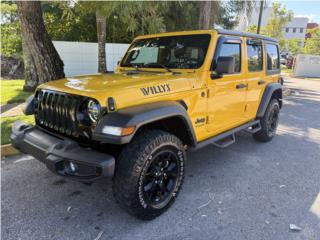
[
  {"x": 273, "y": 60},
  {"x": 301, "y": 30},
  {"x": 287, "y": 30},
  {"x": 254, "y": 55},
  {"x": 232, "y": 50},
  {"x": 181, "y": 52},
  {"x": 294, "y": 30}
]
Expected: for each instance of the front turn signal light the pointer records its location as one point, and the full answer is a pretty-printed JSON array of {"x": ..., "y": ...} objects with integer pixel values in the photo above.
[{"x": 118, "y": 131}]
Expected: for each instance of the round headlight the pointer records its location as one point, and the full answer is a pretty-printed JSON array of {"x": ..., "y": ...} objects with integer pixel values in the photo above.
[{"x": 94, "y": 110}]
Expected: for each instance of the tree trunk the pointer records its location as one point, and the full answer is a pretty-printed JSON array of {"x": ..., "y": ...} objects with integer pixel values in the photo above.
[
  {"x": 44, "y": 63},
  {"x": 30, "y": 74},
  {"x": 205, "y": 15},
  {"x": 101, "y": 34}
]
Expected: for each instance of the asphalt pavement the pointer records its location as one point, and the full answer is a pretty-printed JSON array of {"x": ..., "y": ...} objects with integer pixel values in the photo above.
[{"x": 247, "y": 191}]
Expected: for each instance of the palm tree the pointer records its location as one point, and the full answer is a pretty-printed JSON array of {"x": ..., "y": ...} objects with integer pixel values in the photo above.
[{"x": 206, "y": 13}]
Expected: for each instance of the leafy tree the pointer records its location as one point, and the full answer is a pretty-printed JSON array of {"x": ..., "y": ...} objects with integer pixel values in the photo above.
[
  {"x": 293, "y": 46},
  {"x": 312, "y": 45},
  {"x": 277, "y": 22},
  {"x": 10, "y": 30},
  {"x": 66, "y": 22},
  {"x": 138, "y": 17},
  {"x": 180, "y": 15}
]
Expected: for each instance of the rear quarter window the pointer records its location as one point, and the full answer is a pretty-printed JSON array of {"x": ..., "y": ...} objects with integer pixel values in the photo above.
[{"x": 273, "y": 60}]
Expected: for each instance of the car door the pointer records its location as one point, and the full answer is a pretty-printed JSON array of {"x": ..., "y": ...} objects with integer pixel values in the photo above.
[
  {"x": 226, "y": 93},
  {"x": 256, "y": 77}
]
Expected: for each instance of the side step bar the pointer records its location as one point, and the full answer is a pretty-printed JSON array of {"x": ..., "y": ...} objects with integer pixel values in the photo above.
[
  {"x": 227, "y": 138},
  {"x": 225, "y": 142}
]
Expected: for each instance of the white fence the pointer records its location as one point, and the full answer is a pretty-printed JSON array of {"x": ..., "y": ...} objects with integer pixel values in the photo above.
[
  {"x": 307, "y": 66},
  {"x": 82, "y": 58}
]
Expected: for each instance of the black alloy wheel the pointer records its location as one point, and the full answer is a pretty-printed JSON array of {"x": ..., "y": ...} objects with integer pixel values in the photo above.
[
  {"x": 269, "y": 122},
  {"x": 160, "y": 179},
  {"x": 149, "y": 174}
]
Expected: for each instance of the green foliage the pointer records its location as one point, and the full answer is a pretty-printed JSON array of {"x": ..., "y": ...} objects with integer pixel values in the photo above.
[
  {"x": 6, "y": 125},
  {"x": 11, "y": 44},
  {"x": 293, "y": 46},
  {"x": 69, "y": 23},
  {"x": 312, "y": 45},
  {"x": 12, "y": 91},
  {"x": 277, "y": 22},
  {"x": 187, "y": 12}
]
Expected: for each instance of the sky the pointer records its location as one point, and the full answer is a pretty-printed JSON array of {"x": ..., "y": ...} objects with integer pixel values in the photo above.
[{"x": 310, "y": 9}]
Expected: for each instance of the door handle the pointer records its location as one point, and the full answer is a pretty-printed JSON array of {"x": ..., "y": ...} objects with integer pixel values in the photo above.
[
  {"x": 261, "y": 82},
  {"x": 241, "y": 85}
]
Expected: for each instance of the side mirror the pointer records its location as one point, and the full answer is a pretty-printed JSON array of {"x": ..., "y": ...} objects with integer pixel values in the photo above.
[{"x": 225, "y": 65}]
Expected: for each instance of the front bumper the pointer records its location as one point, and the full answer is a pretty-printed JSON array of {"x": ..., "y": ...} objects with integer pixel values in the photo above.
[{"x": 62, "y": 156}]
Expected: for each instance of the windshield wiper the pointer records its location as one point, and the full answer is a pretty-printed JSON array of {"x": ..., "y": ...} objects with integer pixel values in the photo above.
[
  {"x": 135, "y": 66},
  {"x": 156, "y": 65},
  {"x": 165, "y": 67}
]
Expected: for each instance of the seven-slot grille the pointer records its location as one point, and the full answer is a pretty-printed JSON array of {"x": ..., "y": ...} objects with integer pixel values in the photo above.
[{"x": 57, "y": 110}]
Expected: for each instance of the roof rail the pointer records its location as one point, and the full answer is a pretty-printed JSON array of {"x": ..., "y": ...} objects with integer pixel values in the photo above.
[{"x": 245, "y": 34}]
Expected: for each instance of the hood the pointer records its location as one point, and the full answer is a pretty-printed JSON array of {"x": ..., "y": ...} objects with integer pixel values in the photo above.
[{"x": 126, "y": 88}]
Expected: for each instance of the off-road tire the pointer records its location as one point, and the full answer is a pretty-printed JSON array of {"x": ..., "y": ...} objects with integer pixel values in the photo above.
[
  {"x": 132, "y": 166},
  {"x": 267, "y": 131}
]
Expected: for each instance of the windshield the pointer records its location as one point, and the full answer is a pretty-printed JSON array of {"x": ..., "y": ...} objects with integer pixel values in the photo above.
[{"x": 182, "y": 52}]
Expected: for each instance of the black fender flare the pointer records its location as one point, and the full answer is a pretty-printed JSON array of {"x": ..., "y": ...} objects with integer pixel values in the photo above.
[
  {"x": 270, "y": 90},
  {"x": 139, "y": 116}
]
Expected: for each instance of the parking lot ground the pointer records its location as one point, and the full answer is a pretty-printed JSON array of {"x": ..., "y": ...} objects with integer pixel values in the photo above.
[{"x": 247, "y": 191}]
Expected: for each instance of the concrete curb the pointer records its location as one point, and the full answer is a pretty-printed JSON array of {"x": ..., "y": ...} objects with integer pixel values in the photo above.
[{"x": 8, "y": 150}]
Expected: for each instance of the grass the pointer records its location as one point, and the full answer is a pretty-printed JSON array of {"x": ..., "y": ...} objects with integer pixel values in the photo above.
[
  {"x": 12, "y": 91},
  {"x": 286, "y": 70},
  {"x": 6, "y": 124}
]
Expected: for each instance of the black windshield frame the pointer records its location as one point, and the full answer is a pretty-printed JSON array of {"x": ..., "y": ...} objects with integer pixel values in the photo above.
[{"x": 176, "y": 47}]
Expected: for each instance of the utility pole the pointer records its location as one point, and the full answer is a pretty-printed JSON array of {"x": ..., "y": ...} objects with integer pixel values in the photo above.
[{"x": 260, "y": 16}]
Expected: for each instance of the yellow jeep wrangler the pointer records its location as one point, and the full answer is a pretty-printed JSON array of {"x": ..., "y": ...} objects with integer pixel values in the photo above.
[{"x": 171, "y": 92}]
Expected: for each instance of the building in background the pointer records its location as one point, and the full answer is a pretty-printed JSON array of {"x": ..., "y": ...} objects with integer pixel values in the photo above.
[
  {"x": 311, "y": 26},
  {"x": 296, "y": 28}
]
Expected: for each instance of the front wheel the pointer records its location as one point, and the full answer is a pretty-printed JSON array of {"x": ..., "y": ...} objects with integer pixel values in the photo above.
[
  {"x": 149, "y": 174},
  {"x": 269, "y": 122}
]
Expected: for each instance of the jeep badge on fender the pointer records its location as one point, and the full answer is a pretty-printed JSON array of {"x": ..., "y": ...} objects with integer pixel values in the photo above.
[{"x": 130, "y": 126}]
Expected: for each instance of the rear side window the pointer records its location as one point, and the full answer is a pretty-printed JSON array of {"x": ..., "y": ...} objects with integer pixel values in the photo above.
[
  {"x": 232, "y": 50},
  {"x": 273, "y": 60},
  {"x": 254, "y": 53}
]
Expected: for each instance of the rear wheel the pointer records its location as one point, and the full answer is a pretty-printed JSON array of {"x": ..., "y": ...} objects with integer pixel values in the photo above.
[
  {"x": 269, "y": 122},
  {"x": 149, "y": 174}
]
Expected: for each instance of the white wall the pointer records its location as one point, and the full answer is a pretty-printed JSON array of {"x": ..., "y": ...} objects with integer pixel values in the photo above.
[
  {"x": 82, "y": 58},
  {"x": 307, "y": 66}
]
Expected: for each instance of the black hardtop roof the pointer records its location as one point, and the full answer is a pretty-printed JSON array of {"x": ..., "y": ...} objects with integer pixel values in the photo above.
[{"x": 245, "y": 34}]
